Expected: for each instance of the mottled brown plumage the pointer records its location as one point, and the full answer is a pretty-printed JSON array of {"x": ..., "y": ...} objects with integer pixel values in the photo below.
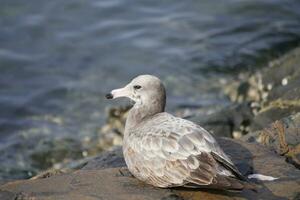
[{"x": 167, "y": 151}]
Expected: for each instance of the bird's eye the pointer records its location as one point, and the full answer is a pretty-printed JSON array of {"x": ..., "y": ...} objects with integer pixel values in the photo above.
[{"x": 136, "y": 87}]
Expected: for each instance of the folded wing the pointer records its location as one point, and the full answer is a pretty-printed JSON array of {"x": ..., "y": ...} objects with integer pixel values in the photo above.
[{"x": 173, "y": 152}]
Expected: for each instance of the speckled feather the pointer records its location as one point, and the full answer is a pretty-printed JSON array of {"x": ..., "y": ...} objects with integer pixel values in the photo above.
[{"x": 167, "y": 151}]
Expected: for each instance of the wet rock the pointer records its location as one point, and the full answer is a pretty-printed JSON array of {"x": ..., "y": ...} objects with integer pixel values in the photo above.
[
  {"x": 229, "y": 120},
  {"x": 248, "y": 87},
  {"x": 5, "y": 195},
  {"x": 108, "y": 159},
  {"x": 111, "y": 133},
  {"x": 289, "y": 93},
  {"x": 103, "y": 182},
  {"x": 62, "y": 168},
  {"x": 271, "y": 114},
  {"x": 55, "y": 151},
  {"x": 274, "y": 90},
  {"x": 48, "y": 173},
  {"x": 277, "y": 97},
  {"x": 286, "y": 67},
  {"x": 282, "y": 136},
  {"x": 116, "y": 118},
  {"x": 282, "y": 80},
  {"x": 172, "y": 197}
]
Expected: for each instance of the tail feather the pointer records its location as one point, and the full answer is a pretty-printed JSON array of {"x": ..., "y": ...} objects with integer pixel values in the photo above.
[
  {"x": 226, "y": 183},
  {"x": 230, "y": 183}
]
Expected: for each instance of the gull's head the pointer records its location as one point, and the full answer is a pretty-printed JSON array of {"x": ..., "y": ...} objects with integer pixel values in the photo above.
[{"x": 143, "y": 90}]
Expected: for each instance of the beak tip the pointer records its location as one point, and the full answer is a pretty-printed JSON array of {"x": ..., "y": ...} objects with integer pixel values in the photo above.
[{"x": 109, "y": 96}]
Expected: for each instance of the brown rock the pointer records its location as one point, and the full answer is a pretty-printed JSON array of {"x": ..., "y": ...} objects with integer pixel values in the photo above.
[
  {"x": 224, "y": 122},
  {"x": 112, "y": 183},
  {"x": 282, "y": 136},
  {"x": 281, "y": 82}
]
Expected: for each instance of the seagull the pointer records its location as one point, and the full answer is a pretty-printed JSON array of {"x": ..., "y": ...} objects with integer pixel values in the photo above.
[{"x": 167, "y": 151}]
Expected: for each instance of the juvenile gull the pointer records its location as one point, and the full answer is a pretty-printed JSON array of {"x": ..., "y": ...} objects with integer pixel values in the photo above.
[{"x": 166, "y": 151}]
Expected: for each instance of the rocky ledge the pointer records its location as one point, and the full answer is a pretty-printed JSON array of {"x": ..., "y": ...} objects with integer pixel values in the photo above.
[
  {"x": 106, "y": 177},
  {"x": 265, "y": 108}
]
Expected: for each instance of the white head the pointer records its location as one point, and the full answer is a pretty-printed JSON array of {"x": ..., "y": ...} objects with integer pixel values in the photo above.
[{"x": 146, "y": 91}]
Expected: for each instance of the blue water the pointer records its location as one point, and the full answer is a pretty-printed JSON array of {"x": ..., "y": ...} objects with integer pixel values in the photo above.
[{"x": 59, "y": 58}]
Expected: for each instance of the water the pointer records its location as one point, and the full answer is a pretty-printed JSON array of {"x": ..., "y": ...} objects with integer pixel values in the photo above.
[{"x": 59, "y": 58}]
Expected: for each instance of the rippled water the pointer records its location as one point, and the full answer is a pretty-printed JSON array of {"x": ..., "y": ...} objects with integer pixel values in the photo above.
[{"x": 58, "y": 59}]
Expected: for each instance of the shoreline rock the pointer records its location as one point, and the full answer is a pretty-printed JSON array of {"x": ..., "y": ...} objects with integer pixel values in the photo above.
[
  {"x": 282, "y": 137},
  {"x": 104, "y": 181},
  {"x": 274, "y": 91},
  {"x": 228, "y": 121}
]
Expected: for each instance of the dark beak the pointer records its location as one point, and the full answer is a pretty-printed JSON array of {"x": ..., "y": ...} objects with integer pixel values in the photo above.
[{"x": 109, "y": 96}]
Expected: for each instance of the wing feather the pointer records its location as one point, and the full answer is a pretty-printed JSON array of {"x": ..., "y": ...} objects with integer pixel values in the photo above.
[
  {"x": 229, "y": 166},
  {"x": 173, "y": 153}
]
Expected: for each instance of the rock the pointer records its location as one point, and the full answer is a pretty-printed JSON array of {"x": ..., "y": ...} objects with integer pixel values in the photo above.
[
  {"x": 282, "y": 136},
  {"x": 111, "y": 133},
  {"x": 234, "y": 118},
  {"x": 267, "y": 116},
  {"x": 285, "y": 67},
  {"x": 61, "y": 168},
  {"x": 275, "y": 94},
  {"x": 282, "y": 81},
  {"x": 247, "y": 88},
  {"x": 274, "y": 90},
  {"x": 99, "y": 181},
  {"x": 116, "y": 118},
  {"x": 50, "y": 172},
  {"x": 108, "y": 159},
  {"x": 5, "y": 195}
]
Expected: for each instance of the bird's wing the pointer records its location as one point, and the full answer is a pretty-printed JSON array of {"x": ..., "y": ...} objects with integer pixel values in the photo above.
[
  {"x": 229, "y": 166},
  {"x": 169, "y": 151}
]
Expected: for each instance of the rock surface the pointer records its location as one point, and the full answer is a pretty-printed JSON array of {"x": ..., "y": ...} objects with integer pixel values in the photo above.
[
  {"x": 282, "y": 136},
  {"x": 227, "y": 121},
  {"x": 108, "y": 159},
  {"x": 275, "y": 90},
  {"x": 97, "y": 180}
]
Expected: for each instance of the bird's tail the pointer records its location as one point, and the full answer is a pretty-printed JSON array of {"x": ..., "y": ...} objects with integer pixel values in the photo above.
[
  {"x": 236, "y": 184},
  {"x": 233, "y": 184}
]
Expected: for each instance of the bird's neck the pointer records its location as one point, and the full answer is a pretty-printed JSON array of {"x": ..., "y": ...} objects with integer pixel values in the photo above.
[{"x": 141, "y": 112}]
